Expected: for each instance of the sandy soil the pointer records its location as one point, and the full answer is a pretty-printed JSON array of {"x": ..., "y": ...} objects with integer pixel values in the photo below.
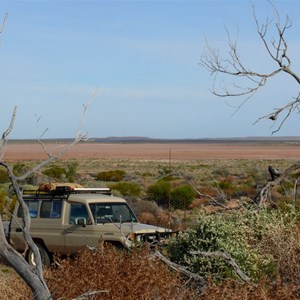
[{"x": 34, "y": 151}]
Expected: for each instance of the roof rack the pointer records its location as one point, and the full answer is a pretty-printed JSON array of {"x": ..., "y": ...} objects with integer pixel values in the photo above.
[
  {"x": 66, "y": 189},
  {"x": 106, "y": 191}
]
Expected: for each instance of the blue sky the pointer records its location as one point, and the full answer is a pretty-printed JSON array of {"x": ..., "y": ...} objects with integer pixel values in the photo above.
[{"x": 144, "y": 58}]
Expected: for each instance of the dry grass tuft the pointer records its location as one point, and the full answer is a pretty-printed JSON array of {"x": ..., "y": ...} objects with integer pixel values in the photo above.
[
  {"x": 119, "y": 274},
  {"x": 11, "y": 286}
]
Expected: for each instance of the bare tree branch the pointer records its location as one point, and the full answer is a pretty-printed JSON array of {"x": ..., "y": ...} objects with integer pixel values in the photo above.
[
  {"x": 181, "y": 269},
  {"x": 40, "y": 136},
  {"x": 3, "y": 141},
  {"x": 80, "y": 136},
  {"x": 33, "y": 276},
  {"x": 228, "y": 258},
  {"x": 4, "y": 23},
  {"x": 89, "y": 295},
  {"x": 252, "y": 81},
  {"x": 265, "y": 192}
]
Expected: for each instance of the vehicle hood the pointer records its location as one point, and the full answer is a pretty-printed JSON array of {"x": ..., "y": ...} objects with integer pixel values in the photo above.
[{"x": 142, "y": 228}]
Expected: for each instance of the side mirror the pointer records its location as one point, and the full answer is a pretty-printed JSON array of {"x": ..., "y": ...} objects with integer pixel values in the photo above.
[{"x": 81, "y": 222}]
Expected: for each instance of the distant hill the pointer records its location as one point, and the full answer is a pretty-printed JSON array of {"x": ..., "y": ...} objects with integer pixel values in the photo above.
[
  {"x": 200, "y": 140},
  {"x": 137, "y": 139}
]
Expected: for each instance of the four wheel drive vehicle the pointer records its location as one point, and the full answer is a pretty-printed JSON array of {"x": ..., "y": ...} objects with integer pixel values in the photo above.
[{"x": 64, "y": 219}]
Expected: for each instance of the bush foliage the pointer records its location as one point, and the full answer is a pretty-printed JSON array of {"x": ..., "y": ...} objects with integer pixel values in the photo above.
[
  {"x": 113, "y": 175},
  {"x": 3, "y": 176},
  {"x": 180, "y": 196},
  {"x": 119, "y": 274},
  {"x": 159, "y": 192},
  {"x": 55, "y": 172},
  {"x": 245, "y": 235},
  {"x": 126, "y": 189}
]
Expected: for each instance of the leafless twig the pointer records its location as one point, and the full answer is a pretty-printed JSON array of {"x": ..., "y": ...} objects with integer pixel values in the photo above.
[
  {"x": 181, "y": 269},
  {"x": 3, "y": 141},
  {"x": 231, "y": 66},
  {"x": 88, "y": 295},
  {"x": 228, "y": 258}
]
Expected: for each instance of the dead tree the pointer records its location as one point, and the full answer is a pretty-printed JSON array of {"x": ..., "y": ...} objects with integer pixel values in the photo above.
[
  {"x": 32, "y": 275},
  {"x": 246, "y": 81}
]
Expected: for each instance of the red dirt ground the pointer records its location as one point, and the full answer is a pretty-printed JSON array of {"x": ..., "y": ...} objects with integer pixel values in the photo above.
[{"x": 34, "y": 151}]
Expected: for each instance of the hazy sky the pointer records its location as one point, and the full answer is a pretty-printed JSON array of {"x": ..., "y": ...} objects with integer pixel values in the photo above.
[{"x": 144, "y": 58}]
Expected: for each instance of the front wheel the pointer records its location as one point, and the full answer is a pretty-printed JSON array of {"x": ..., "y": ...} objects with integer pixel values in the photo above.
[{"x": 44, "y": 256}]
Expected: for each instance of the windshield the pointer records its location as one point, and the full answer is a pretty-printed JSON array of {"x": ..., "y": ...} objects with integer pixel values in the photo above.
[{"x": 112, "y": 212}]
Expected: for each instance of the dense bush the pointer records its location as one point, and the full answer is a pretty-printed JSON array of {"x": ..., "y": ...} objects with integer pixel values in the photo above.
[
  {"x": 119, "y": 274},
  {"x": 148, "y": 212},
  {"x": 126, "y": 188},
  {"x": 114, "y": 175},
  {"x": 55, "y": 172},
  {"x": 246, "y": 235},
  {"x": 3, "y": 176},
  {"x": 159, "y": 192},
  {"x": 182, "y": 196},
  {"x": 20, "y": 168}
]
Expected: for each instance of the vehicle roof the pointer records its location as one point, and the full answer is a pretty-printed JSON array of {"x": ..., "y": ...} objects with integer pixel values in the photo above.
[{"x": 93, "y": 197}]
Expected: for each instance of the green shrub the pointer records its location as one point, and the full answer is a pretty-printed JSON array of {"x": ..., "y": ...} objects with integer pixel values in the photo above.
[
  {"x": 4, "y": 178},
  {"x": 2, "y": 201},
  {"x": 71, "y": 171},
  {"x": 126, "y": 188},
  {"x": 159, "y": 192},
  {"x": 19, "y": 169},
  {"x": 239, "y": 233},
  {"x": 114, "y": 175},
  {"x": 55, "y": 171},
  {"x": 182, "y": 196},
  {"x": 12, "y": 204}
]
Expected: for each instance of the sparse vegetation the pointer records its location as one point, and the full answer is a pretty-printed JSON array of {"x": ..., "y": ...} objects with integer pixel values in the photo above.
[
  {"x": 265, "y": 244},
  {"x": 56, "y": 172},
  {"x": 114, "y": 175},
  {"x": 3, "y": 176},
  {"x": 126, "y": 189},
  {"x": 118, "y": 274}
]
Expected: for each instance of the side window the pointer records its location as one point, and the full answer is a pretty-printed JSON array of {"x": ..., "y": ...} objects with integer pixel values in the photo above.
[
  {"x": 78, "y": 211},
  {"x": 33, "y": 206},
  {"x": 51, "y": 209}
]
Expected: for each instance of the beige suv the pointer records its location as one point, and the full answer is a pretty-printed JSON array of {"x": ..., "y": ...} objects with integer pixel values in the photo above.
[{"x": 65, "y": 219}]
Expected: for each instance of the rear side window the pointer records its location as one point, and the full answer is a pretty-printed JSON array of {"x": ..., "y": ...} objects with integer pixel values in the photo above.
[
  {"x": 51, "y": 209},
  {"x": 33, "y": 207}
]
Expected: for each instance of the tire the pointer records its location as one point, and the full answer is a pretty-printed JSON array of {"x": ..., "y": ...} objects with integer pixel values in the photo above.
[{"x": 46, "y": 261}]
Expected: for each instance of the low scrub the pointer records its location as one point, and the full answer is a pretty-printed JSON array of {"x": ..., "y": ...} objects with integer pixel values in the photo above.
[
  {"x": 263, "y": 243},
  {"x": 55, "y": 172},
  {"x": 126, "y": 189},
  {"x": 4, "y": 176},
  {"x": 113, "y": 175},
  {"x": 180, "y": 196},
  {"x": 115, "y": 274}
]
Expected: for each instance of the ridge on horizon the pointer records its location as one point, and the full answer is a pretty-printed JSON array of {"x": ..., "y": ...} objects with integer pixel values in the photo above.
[{"x": 141, "y": 139}]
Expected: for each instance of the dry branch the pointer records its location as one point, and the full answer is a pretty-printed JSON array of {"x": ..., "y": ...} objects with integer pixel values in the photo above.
[
  {"x": 228, "y": 258},
  {"x": 231, "y": 66},
  {"x": 181, "y": 269},
  {"x": 265, "y": 192},
  {"x": 33, "y": 276}
]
